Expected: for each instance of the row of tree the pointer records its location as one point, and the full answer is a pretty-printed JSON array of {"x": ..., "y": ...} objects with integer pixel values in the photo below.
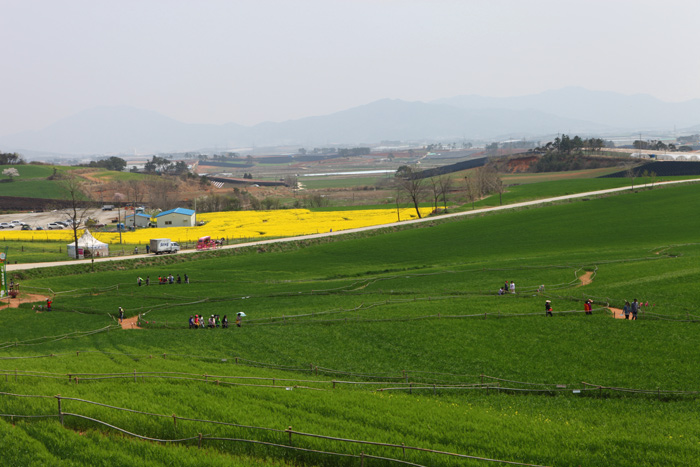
[
  {"x": 564, "y": 144},
  {"x": 11, "y": 158},
  {"x": 113, "y": 163},
  {"x": 161, "y": 165},
  {"x": 480, "y": 182},
  {"x": 658, "y": 145}
]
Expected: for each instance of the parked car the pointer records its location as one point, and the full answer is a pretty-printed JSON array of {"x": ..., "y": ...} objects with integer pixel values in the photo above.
[
  {"x": 26, "y": 227},
  {"x": 16, "y": 222},
  {"x": 55, "y": 226},
  {"x": 38, "y": 227},
  {"x": 6, "y": 225}
]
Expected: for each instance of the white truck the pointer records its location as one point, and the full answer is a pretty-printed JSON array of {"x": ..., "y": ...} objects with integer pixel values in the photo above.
[{"x": 163, "y": 245}]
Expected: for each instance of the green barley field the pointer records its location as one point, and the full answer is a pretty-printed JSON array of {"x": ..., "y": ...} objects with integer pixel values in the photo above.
[{"x": 391, "y": 348}]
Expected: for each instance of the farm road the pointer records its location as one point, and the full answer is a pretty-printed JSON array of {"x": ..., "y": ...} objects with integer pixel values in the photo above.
[{"x": 19, "y": 267}]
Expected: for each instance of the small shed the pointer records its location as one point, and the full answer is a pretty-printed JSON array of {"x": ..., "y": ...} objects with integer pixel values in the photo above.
[
  {"x": 89, "y": 245},
  {"x": 142, "y": 220},
  {"x": 178, "y": 217}
]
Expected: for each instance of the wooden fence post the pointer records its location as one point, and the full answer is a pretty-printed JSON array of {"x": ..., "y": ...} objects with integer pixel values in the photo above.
[
  {"x": 60, "y": 413},
  {"x": 200, "y": 440},
  {"x": 362, "y": 459},
  {"x": 175, "y": 421},
  {"x": 134, "y": 376},
  {"x": 289, "y": 430}
]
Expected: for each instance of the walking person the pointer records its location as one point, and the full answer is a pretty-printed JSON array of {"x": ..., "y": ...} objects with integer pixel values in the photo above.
[
  {"x": 626, "y": 310},
  {"x": 48, "y": 304},
  {"x": 635, "y": 309},
  {"x": 121, "y": 315},
  {"x": 148, "y": 249},
  {"x": 512, "y": 286},
  {"x": 238, "y": 320},
  {"x": 224, "y": 322},
  {"x": 548, "y": 308}
]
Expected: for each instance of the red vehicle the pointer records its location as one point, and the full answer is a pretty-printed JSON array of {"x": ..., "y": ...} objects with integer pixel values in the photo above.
[{"x": 206, "y": 243}]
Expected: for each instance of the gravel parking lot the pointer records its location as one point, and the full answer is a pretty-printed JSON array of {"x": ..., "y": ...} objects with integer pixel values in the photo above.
[{"x": 36, "y": 219}]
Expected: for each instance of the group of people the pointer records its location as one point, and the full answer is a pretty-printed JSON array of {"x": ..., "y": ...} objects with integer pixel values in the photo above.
[
  {"x": 507, "y": 287},
  {"x": 587, "y": 307},
  {"x": 214, "y": 321},
  {"x": 169, "y": 279},
  {"x": 632, "y": 308}
]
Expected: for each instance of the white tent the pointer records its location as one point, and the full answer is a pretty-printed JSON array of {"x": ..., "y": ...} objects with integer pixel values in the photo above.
[{"x": 90, "y": 246}]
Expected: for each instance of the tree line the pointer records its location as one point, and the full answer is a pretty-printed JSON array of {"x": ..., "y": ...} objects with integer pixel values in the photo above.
[{"x": 11, "y": 158}]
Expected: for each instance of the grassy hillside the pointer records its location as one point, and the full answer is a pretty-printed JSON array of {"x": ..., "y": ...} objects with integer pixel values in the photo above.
[
  {"x": 32, "y": 182},
  {"x": 393, "y": 338}
]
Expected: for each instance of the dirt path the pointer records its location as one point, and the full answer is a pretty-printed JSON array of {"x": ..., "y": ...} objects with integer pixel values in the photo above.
[
  {"x": 8, "y": 302},
  {"x": 131, "y": 323},
  {"x": 617, "y": 313},
  {"x": 586, "y": 278}
]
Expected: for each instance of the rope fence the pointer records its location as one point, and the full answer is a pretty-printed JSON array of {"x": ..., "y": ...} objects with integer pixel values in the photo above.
[
  {"x": 403, "y": 382},
  {"x": 47, "y": 339},
  {"x": 288, "y": 433}
]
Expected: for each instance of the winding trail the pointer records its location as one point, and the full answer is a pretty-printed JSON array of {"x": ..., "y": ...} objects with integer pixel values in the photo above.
[
  {"x": 8, "y": 302},
  {"x": 586, "y": 278},
  {"x": 131, "y": 323},
  {"x": 617, "y": 313}
]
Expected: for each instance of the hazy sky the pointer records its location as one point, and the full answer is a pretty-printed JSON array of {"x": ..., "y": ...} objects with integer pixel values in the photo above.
[{"x": 247, "y": 61}]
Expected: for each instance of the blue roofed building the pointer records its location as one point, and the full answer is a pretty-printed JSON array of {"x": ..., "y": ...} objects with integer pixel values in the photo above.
[
  {"x": 141, "y": 220},
  {"x": 178, "y": 217}
]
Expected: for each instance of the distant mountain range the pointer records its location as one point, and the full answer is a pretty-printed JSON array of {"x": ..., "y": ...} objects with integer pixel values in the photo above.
[{"x": 127, "y": 130}]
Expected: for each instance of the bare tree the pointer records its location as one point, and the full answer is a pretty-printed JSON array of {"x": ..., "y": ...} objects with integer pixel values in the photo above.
[
  {"x": 412, "y": 185},
  {"x": 72, "y": 187},
  {"x": 445, "y": 186},
  {"x": 435, "y": 189},
  {"x": 630, "y": 174},
  {"x": 161, "y": 190},
  {"x": 473, "y": 187},
  {"x": 494, "y": 183},
  {"x": 440, "y": 186},
  {"x": 135, "y": 193},
  {"x": 398, "y": 203}
]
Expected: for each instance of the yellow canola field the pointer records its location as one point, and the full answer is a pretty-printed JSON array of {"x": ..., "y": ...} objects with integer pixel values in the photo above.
[{"x": 239, "y": 225}]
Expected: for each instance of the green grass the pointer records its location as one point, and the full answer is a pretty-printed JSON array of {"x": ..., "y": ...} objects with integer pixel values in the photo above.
[
  {"x": 315, "y": 183},
  {"x": 38, "y": 251},
  {"x": 32, "y": 182},
  {"x": 406, "y": 303}
]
